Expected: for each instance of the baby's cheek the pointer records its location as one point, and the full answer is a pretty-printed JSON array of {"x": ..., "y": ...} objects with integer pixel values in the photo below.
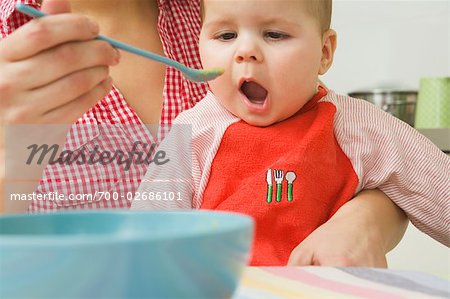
[
  {"x": 213, "y": 86},
  {"x": 205, "y": 53},
  {"x": 204, "y": 58},
  {"x": 210, "y": 56},
  {"x": 219, "y": 87}
]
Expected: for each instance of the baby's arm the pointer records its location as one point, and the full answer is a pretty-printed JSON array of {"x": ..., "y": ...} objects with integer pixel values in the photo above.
[
  {"x": 168, "y": 184},
  {"x": 389, "y": 155},
  {"x": 361, "y": 232},
  {"x": 191, "y": 144}
]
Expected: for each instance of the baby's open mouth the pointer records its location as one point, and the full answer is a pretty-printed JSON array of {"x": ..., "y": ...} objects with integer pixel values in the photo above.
[{"x": 254, "y": 92}]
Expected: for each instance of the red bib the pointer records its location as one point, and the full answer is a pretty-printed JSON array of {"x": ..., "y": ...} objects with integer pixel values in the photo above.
[{"x": 291, "y": 177}]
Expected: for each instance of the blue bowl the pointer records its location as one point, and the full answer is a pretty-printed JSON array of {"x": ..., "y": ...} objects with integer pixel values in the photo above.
[{"x": 195, "y": 254}]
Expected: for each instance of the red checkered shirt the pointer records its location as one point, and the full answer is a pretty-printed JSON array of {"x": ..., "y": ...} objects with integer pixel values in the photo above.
[{"x": 112, "y": 125}]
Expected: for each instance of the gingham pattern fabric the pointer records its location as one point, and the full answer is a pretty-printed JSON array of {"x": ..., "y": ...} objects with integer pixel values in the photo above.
[{"x": 179, "y": 27}]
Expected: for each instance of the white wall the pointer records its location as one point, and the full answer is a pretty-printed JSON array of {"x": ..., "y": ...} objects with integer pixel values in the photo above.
[
  {"x": 389, "y": 41},
  {"x": 394, "y": 43}
]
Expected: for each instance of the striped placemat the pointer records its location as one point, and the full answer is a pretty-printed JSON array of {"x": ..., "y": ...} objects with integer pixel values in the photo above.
[{"x": 327, "y": 282}]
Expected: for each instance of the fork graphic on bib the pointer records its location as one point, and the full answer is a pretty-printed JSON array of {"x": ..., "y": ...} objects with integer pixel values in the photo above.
[{"x": 278, "y": 176}]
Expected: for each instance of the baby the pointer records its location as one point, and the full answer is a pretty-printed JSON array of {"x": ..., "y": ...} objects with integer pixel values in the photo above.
[{"x": 269, "y": 141}]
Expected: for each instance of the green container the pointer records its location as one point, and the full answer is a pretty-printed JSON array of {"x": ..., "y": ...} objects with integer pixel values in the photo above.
[{"x": 433, "y": 103}]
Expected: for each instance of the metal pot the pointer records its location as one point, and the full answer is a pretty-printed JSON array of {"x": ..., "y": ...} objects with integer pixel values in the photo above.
[{"x": 400, "y": 103}]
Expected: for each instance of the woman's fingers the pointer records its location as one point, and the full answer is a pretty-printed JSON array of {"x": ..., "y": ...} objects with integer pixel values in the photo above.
[
  {"x": 34, "y": 104},
  {"x": 45, "y": 33},
  {"x": 52, "y": 69},
  {"x": 55, "y": 63},
  {"x": 55, "y": 6},
  {"x": 300, "y": 257},
  {"x": 73, "y": 110},
  {"x": 68, "y": 88}
]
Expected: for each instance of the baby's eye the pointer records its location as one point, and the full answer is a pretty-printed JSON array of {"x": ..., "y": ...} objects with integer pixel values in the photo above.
[
  {"x": 225, "y": 36},
  {"x": 273, "y": 35}
]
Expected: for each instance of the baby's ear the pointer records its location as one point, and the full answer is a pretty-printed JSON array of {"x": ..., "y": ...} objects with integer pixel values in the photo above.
[{"x": 329, "y": 42}]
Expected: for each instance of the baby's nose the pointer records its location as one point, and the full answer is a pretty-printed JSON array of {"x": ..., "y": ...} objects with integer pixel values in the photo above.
[{"x": 248, "y": 52}]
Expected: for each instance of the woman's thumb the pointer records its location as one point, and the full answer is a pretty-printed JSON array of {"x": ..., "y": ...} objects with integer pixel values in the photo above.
[{"x": 55, "y": 6}]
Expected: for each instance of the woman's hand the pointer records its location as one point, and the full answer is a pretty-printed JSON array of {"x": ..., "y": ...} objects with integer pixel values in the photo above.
[
  {"x": 359, "y": 234},
  {"x": 52, "y": 70}
]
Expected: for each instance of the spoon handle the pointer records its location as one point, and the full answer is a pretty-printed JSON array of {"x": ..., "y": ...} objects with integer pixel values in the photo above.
[{"x": 28, "y": 10}]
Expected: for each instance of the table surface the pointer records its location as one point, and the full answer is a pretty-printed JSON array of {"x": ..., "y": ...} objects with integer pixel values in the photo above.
[{"x": 328, "y": 282}]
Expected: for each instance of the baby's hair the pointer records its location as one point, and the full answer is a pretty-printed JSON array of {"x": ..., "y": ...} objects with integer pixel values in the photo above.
[{"x": 319, "y": 9}]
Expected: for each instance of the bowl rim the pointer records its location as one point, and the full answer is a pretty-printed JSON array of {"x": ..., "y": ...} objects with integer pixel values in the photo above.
[{"x": 241, "y": 222}]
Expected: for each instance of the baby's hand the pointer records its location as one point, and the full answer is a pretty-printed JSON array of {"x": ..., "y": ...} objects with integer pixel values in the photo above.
[{"x": 340, "y": 244}]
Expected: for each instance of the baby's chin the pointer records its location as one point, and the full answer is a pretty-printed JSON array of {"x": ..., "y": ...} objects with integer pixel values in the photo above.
[{"x": 259, "y": 121}]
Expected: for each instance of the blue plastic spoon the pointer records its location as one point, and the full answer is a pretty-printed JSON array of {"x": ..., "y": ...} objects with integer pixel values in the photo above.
[{"x": 190, "y": 73}]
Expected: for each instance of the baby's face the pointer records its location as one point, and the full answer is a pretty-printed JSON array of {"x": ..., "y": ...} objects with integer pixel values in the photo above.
[{"x": 271, "y": 51}]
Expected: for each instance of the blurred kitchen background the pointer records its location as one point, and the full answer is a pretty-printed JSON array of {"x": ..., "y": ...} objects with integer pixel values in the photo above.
[{"x": 394, "y": 43}]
